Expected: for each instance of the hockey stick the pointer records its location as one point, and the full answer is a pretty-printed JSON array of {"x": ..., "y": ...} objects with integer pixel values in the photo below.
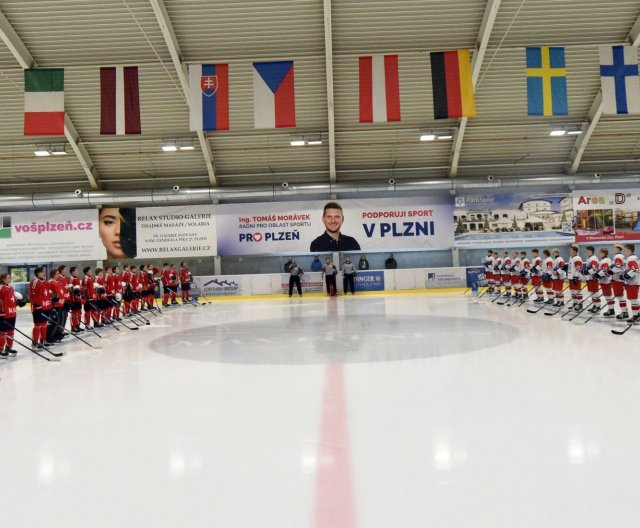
[
  {"x": 579, "y": 311},
  {"x": 587, "y": 308},
  {"x": 55, "y": 358},
  {"x": 115, "y": 304},
  {"x": 622, "y": 332},
  {"x": 54, "y": 354},
  {"x": 604, "y": 305},
  {"x": 74, "y": 335},
  {"x": 561, "y": 307},
  {"x": 91, "y": 329}
]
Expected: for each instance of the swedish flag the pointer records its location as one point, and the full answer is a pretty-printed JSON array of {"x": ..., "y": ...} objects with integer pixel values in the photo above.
[{"x": 546, "y": 82}]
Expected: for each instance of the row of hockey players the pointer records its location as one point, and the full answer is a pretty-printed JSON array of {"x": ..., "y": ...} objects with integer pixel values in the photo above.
[
  {"x": 614, "y": 278},
  {"x": 102, "y": 294}
]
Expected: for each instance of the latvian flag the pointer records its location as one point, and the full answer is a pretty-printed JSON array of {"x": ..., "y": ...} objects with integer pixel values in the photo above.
[
  {"x": 379, "y": 89},
  {"x": 44, "y": 102},
  {"x": 119, "y": 100},
  {"x": 619, "y": 80},
  {"x": 452, "y": 86},
  {"x": 209, "y": 93},
  {"x": 274, "y": 104}
]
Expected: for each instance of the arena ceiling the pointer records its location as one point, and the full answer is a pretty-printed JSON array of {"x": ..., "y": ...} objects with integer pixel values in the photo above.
[{"x": 325, "y": 40}]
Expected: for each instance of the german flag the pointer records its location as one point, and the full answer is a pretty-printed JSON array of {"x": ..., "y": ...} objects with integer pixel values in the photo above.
[{"x": 452, "y": 86}]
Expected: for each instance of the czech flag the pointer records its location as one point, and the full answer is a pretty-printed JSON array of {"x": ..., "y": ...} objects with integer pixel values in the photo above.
[
  {"x": 452, "y": 85},
  {"x": 379, "y": 89},
  {"x": 274, "y": 104},
  {"x": 209, "y": 105}
]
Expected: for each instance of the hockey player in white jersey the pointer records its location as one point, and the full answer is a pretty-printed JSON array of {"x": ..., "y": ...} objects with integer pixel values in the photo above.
[
  {"x": 604, "y": 275},
  {"x": 547, "y": 276},
  {"x": 505, "y": 273},
  {"x": 590, "y": 271},
  {"x": 574, "y": 274},
  {"x": 559, "y": 274},
  {"x": 524, "y": 273},
  {"x": 617, "y": 282},
  {"x": 536, "y": 276},
  {"x": 497, "y": 266},
  {"x": 631, "y": 277},
  {"x": 488, "y": 271},
  {"x": 515, "y": 273}
]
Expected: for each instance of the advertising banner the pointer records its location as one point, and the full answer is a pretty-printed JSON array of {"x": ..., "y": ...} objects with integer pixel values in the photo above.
[
  {"x": 46, "y": 236},
  {"x": 370, "y": 281},
  {"x": 606, "y": 215},
  {"x": 213, "y": 286},
  {"x": 446, "y": 277},
  {"x": 304, "y": 227},
  {"x": 175, "y": 231},
  {"x": 494, "y": 220},
  {"x": 311, "y": 283},
  {"x": 475, "y": 276}
]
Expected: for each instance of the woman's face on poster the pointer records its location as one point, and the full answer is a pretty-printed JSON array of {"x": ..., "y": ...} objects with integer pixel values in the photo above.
[{"x": 110, "y": 225}]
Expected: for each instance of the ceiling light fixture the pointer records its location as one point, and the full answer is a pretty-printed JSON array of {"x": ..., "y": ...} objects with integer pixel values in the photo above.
[
  {"x": 427, "y": 137},
  {"x": 558, "y": 132}
]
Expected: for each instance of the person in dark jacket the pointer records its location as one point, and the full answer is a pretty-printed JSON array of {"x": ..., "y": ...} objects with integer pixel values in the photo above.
[
  {"x": 390, "y": 263},
  {"x": 316, "y": 264},
  {"x": 363, "y": 263}
]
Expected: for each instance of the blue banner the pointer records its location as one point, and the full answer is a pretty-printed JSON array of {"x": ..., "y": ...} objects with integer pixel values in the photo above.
[
  {"x": 370, "y": 281},
  {"x": 475, "y": 276}
]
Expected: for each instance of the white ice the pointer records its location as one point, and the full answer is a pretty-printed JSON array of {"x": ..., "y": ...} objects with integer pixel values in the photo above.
[{"x": 395, "y": 411}]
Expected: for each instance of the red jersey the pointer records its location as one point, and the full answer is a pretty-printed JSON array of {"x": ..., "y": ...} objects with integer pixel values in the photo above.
[
  {"x": 142, "y": 280},
  {"x": 76, "y": 295},
  {"x": 117, "y": 282},
  {"x": 185, "y": 275},
  {"x": 39, "y": 295},
  {"x": 100, "y": 288},
  {"x": 166, "y": 277},
  {"x": 57, "y": 290},
  {"x": 110, "y": 281},
  {"x": 88, "y": 284},
  {"x": 65, "y": 283},
  {"x": 7, "y": 302}
]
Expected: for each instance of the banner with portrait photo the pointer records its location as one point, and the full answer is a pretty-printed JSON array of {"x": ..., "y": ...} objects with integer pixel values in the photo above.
[
  {"x": 34, "y": 237},
  {"x": 606, "y": 215},
  {"x": 403, "y": 224},
  {"x": 512, "y": 219}
]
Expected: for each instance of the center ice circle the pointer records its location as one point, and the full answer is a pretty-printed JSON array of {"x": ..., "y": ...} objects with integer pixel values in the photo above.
[{"x": 310, "y": 340}]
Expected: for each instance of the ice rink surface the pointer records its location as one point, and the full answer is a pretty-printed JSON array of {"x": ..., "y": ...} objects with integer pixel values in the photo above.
[{"x": 398, "y": 411}]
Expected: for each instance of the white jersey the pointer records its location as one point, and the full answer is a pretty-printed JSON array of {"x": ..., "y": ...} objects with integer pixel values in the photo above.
[
  {"x": 617, "y": 266},
  {"x": 558, "y": 268},
  {"x": 506, "y": 266},
  {"x": 575, "y": 268},
  {"x": 603, "y": 274},
  {"x": 497, "y": 265},
  {"x": 593, "y": 266},
  {"x": 525, "y": 266},
  {"x": 632, "y": 270},
  {"x": 548, "y": 265},
  {"x": 488, "y": 263},
  {"x": 515, "y": 265},
  {"x": 536, "y": 267}
]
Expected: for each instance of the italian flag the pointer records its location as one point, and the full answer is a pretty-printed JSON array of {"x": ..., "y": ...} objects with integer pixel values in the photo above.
[{"x": 44, "y": 102}]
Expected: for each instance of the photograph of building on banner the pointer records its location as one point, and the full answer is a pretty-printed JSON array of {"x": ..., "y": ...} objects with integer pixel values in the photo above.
[
  {"x": 608, "y": 215},
  {"x": 34, "y": 237},
  {"x": 294, "y": 228},
  {"x": 513, "y": 219}
]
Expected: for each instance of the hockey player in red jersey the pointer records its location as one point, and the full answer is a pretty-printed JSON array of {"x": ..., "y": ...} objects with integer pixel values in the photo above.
[
  {"x": 617, "y": 283},
  {"x": 41, "y": 306},
  {"x": 91, "y": 299},
  {"x": 152, "y": 272},
  {"x": 590, "y": 271},
  {"x": 168, "y": 278},
  {"x": 100, "y": 288},
  {"x": 574, "y": 274},
  {"x": 136, "y": 287},
  {"x": 185, "y": 281},
  {"x": 127, "y": 289},
  {"x": 57, "y": 290},
  {"x": 9, "y": 300},
  {"x": 77, "y": 300},
  {"x": 631, "y": 278}
]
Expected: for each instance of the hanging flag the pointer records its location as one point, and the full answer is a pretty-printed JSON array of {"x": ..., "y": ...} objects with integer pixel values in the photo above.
[
  {"x": 452, "y": 86},
  {"x": 119, "y": 100},
  {"x": 44, "y": 102},
  {"x": 274, "y": 104},
  {"x": 379, "y": 89},
  {"x": 546, "y": 82},
  {"x": 619, "y": 79},
  {"x": 209, "y": 93}
]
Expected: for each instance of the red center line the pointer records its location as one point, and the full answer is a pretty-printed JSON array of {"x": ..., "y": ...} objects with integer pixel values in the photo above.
[{"x": 334, "y": 485}]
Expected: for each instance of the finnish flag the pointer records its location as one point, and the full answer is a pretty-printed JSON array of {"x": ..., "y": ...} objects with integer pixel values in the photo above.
[{"x": 619, "y": 79}]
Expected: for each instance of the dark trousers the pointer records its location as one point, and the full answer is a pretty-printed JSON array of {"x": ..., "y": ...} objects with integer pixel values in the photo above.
[
  {"x": 349, "y": 282},
  {"x": 294, "y": 280},
  {"x": 331, "y": 282}
]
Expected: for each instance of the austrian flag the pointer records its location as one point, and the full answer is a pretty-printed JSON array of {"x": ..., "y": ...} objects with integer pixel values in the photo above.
[
  {"x": 379, "y": 89},
  {"x": 119, "y": 100},
  {"x": 44, "y": 102}
]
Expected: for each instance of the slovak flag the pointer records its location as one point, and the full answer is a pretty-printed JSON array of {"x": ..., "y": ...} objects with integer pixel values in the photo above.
[
  {"x": 209, "y": 91},
  {"x": 379, "y": 89},
  {"x": 274, "y": 103}
]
